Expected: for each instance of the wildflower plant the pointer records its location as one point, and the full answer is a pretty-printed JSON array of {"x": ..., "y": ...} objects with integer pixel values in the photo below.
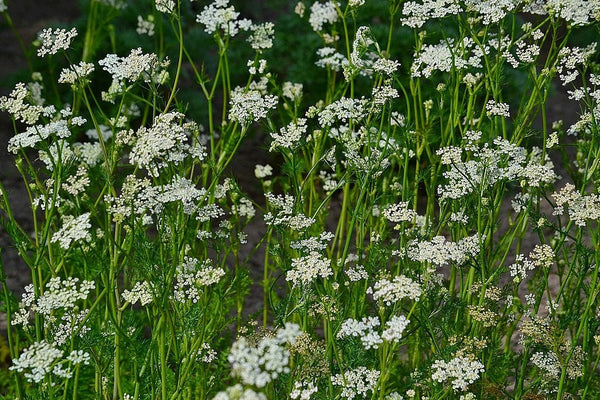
[{"x": 413, "y": 236}]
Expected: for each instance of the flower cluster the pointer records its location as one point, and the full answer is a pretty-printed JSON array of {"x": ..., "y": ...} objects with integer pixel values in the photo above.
[
  {"x": 248, "y": 105},
  {"x": 391, "y": 292},
  {"x": 74, "y": 229},
  {"x": 192, "y": 276},
  {"x": 145, "y": 26},
  {"x": 343, "y": 110},
  {"x": 356, "y": 382},
  {"x": 21, "y": 105},
  {"x": 41, "y": 359},
  {"x": 416, "y": 14},
  {"x": 462, "y": 371},
  {"x": 289, "y": 136},
  {"x": 399, "y": 212},
  {"x": 307, "y": 268},
  {"x": 495, "y": 108},
  {"x": 438, "y": 251},
  {"x": 446, "y": 56},
  {"x": 238, "y": 392},
  {"x": 261, "y": 37},
  {"x": 330, "y": 58},
  {"x": 369, "y": 337},
  {"x": 59, "y": 307},
  {"x": 141, "y": 292},
  {"x": 580, "y": 207},
  {"x": 164, "y": 142},
  {"x": 76, "y": 73},
  {"x": 54, "y": 40},
  {"x": 264, "y": 362},
  {"x": 321, "y": 14},
  {"x": 548, "y": 363},
  {"x": 286, "y": 216},
  {"x": 487, "y": 166},
  {"x": 219, "y": 15},
  {"x": 303, "y": 390},
  {"x": 132, "y": 68}
]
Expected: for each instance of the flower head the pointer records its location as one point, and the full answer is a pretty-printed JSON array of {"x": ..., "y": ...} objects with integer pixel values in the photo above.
[{"x": 54, "y": 40}]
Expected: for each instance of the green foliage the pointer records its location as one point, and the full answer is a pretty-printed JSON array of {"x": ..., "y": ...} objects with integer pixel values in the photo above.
[{"x": 412, "y": 239}]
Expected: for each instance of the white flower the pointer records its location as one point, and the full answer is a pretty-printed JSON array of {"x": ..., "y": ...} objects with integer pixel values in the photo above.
[
  {"x": 299, "y": 9},
  {"x": 136, "y": 65},
  {"x": 79, "y": 357},
  {"x": 415, "y": 14},
  {"x": 249, "y": 105},
  {"x": 399, "y": 212},
  {"x": 394, "y": 328},
  {"x": 153, "y": 146},
  {"x": 165, "y": 6},
  {"x": 494, "y": 108},
  {"x": 306, "y": 269},
  {"x": 141, "y": 292},
  {"x": 73, "y": 230},
  {"x": 356, "y": 382},
  {"x": 191, "y": 276},
  {"x": 267, "y": 360},
  {"x": 237, "y": 392},
  {"x": 145, "y": 26},
  {"x": 384, "y": 66},
  {"x": 39, "y": 358},
  {"x": 54, "y": 40},
  {"x": 252, "y": 67},
  {"x": 322, "y": 13},
  {"x": 364, "y": 53},
  {"x": 460, "y": 370},
  {"x": 244, "y": 208},
  {"x": 289, "y": 136},
  {"x": 547, "y": 362},
  {"x": 581, "y": 207},
  {"x": 363, "y": 329},
  {"x": 62, "y": 294},
  {"x": 263, "y": 171},
  {"x": 488, "y": 165},
  {"x": 75, "y": 73},
  {"x": 284, "y": 204},
  {"x": 76, "y": 184},
  {"x": 446, "y": 56},
  {"x": 220, "y": 16},
  {"x": 576, "y": 12},
  {"x": 343, "y": 110},
  {"x": 536, "y": 174},
  {"x": 303, "y": 390},
  {"x": 438, "y": 251},
  {"x": 383, "y": 94},
  {"x": 292, "y": 91},
  {"x": 329, "y": 58},
  {"x": 261, "y": 37},
  {"x": 391, "y": 292},
  {"x": 450, "y": 155},
  {"x": 20, "y": 105},
  {"x": 491, "y": 10},
  {"x": 313, "y": 243}
]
